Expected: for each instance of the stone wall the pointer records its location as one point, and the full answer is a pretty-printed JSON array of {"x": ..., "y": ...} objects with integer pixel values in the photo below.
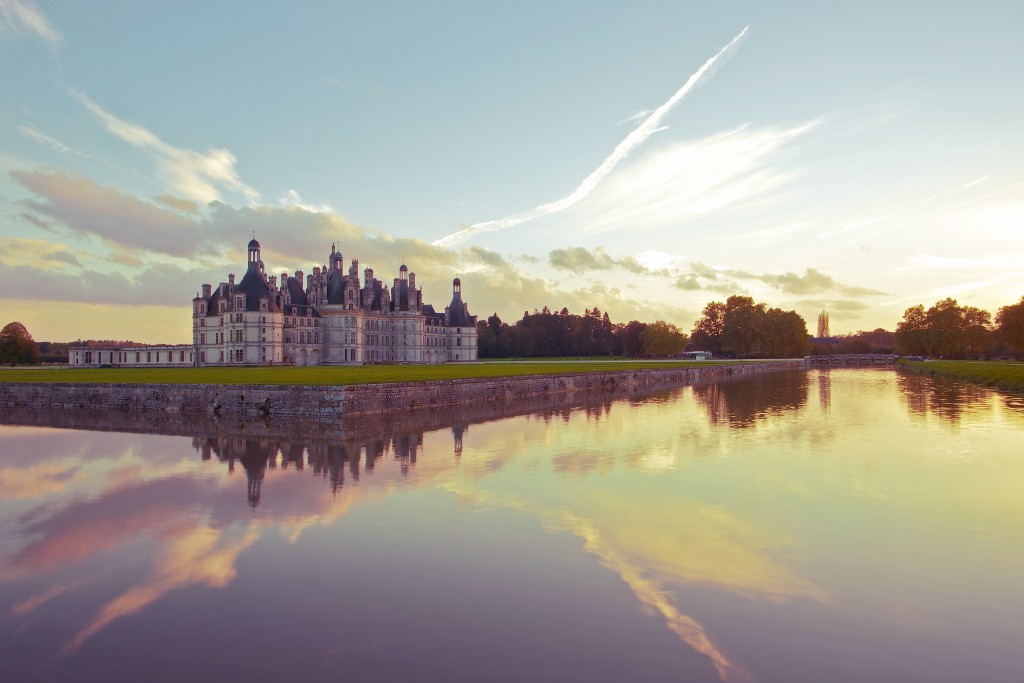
[{"x": 330, "y": 404}]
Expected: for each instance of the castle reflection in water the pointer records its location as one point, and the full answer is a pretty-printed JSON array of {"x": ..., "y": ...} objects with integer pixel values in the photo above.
[{"x": 327, "y": 459}]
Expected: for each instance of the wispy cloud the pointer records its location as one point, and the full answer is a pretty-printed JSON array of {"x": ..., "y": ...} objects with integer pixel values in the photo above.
[
  {"x": 636, "y": 138},
  {"x": 20, "y": 17},
  {"x": 292, "y": 198},
  {"x": 44, "y": 139},
  {"x": 195, "y": 175},
  {"x": 638, "y": 116},
  {"x": 977, "y": 181},
  {"x": 685, "y": 181}
]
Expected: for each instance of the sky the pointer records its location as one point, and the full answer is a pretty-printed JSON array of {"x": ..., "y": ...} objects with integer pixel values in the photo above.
[{"x": 645, "y": 158}]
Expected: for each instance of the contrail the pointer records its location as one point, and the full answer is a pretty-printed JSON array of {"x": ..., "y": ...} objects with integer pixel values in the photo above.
[{"x": 636, "y": 138}]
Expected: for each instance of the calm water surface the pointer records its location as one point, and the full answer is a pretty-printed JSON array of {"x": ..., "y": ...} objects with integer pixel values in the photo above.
[{"x": 852, "y": 525}]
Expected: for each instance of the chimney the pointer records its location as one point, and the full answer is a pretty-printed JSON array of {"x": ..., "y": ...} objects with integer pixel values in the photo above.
[
  {"x": 299, "y": 276},
  {"x": 231, "y": 279},
  {"x": 412, "y": 281},
  {"x": 273, "y": 282},
  {"x": 207, "y": 291}
]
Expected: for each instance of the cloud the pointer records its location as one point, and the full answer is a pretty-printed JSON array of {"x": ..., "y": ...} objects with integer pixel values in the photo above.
[
  {"x": 105, "y": 212},
  {"x": 292, "y": 199},
  {"x": 636, "y": 137},
  {"x": 20, "y": 17},
  {"x": 637, "y": 116},
  {"x": 195, "y": 175},
  {"x": 689, "y": 180},
  {"x": 16, "y": 251},
  {"x": 177, "y": 203},
  {"x": 813, "y": 281},
  {"x": 580, "y": 260},
  {"x": 45, "y": 140},
  {"x": 157, "y": 285}
]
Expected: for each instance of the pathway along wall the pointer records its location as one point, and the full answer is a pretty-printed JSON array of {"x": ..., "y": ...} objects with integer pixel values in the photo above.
[{"x": 335, "y": 403}]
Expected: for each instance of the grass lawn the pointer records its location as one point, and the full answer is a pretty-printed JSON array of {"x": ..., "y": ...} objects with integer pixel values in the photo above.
[
  {"x": 1005, "y": 375},
  {"x": 329, "y": 376}
]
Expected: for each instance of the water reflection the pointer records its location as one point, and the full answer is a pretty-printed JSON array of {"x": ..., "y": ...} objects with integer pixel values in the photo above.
[
  {"x": 743, "y": 403},
  {"x": 745, "y": 522},
  {"x": 944, "y": 397}
]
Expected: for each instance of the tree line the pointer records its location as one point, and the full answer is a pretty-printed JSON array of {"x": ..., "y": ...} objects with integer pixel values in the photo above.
[
  {"x": 738, "y": 327},
  {"x": 949, "y": 330},
  {"x": 548, "y": 334}
]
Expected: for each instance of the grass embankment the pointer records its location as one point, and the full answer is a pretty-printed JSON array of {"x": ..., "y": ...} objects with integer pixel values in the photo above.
[
  {"x": 1005, "y": 375},
  {"x": 325, "y": 376}
]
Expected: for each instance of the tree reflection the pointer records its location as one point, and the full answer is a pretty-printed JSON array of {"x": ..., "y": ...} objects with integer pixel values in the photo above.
[
  {"x": 945, "y": 397},
  {"x": 745, "y": 402}
]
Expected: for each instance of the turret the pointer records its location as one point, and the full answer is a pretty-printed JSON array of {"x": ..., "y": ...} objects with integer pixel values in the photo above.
[{"x": 254, "y": 254}]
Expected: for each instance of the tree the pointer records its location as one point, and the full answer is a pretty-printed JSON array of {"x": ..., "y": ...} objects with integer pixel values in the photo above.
[
  {"x": 1010, "y": 325},
  {"x": 17, "y": 347},
  {"x": 630, "y": 335},
  {"x": 910, "y": 332},
  {"x": 743, "y": 319},
  {"x": 783, "y": 334},
  {"x": 945, "y": 335},
  {"x": 707, "y": 331},
  {"x": 823, "y": 325},
  {"x": 662, "y": 339},
  {"x": 977, "y": 330},
  {"x": 486, "y": 341}
]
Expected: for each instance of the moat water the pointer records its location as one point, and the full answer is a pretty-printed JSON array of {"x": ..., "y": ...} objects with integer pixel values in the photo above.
[{"x": 844, "y": 525}]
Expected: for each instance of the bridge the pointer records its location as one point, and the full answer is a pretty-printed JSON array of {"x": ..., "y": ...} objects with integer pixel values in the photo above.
[{"x": 850, "y": 359}]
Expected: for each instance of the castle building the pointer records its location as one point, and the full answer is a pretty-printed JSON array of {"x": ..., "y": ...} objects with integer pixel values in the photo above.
[{"x": 332, "y": 318}]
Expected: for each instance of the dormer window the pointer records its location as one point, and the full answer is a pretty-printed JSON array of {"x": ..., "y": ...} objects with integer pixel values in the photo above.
[
  {"x": 263, "y": 304},
  {"x": 239, "y": 302}
]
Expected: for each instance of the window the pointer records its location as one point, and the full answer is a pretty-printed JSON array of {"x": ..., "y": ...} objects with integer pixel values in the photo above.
[
  {"x": 458, "y": 342},
  {"x": 239, "y": 302},
  {"x": 149, "y": 357},
  {"x": 138, "y": 356},
  {"x": 202, "y": 338}
]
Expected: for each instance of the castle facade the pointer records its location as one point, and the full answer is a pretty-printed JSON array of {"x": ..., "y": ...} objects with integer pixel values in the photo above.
[
  {"x": 334, "y": 318},
  {"x": 331, "y": 319}
]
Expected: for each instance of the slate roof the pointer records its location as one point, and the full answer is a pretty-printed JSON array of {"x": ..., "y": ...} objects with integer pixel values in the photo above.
[{"x": 458, "y": 316}]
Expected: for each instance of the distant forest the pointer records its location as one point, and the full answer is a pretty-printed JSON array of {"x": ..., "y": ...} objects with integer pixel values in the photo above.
[
  {"x": 949, "y": 330},
  {"x": 737, "y": 328}
]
